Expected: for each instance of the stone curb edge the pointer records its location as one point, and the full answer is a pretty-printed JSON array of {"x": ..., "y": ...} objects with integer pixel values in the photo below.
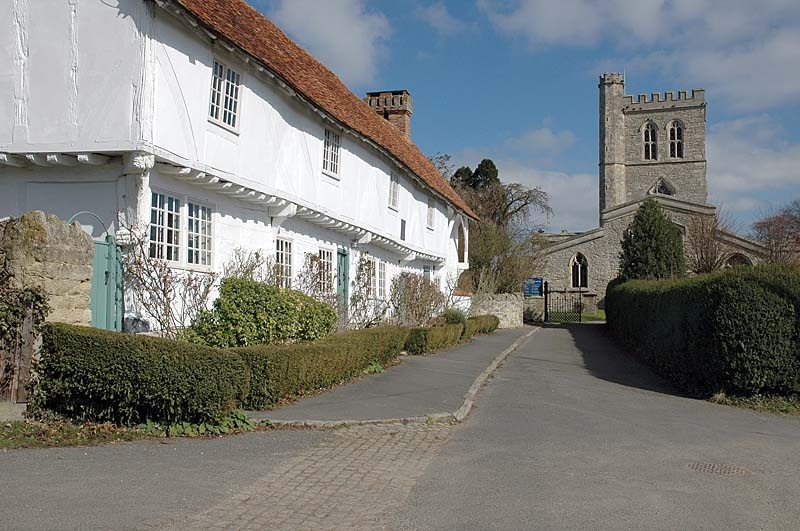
[{"x": 435, "y": 418}]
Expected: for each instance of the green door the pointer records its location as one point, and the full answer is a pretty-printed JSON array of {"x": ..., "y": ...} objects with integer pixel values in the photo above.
[
  {"x": 106, "y": 294},
  {"x": 342, "y": 276}
]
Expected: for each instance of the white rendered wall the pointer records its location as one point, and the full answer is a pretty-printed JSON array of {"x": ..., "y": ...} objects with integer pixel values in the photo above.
[
  {"x": 278, "y": 144},
  {"x": 71, "y": 75}
]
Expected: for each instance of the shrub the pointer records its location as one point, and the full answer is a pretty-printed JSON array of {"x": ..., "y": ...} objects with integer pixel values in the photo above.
[
  {"x": 734, "y": 331},
  {"x": 428, "y": 339},
  {"x": 285, "y": 371},
  {"x": 444, "y": 336},
  {"x": 484, "y": 324},
  {"x": 456, "y": 316},
  {"x": 90, "y": 374},
  {"x": 248, "y": 312}
]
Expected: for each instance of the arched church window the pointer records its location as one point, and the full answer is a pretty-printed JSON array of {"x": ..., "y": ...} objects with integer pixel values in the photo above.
[
  {"x": 580, "y": 271},
  {"x": 650, "y": 142},
  {"x": 662, "y": 187},
  {"x": 676, "y": 140}
]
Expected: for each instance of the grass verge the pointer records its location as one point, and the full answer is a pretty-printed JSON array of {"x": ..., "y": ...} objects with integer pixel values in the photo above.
[
  {"x": 782, "y": 405},
  {"x": 59, "y": 433}
]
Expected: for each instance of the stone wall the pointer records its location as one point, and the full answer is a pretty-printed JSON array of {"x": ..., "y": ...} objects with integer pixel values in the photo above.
[
  {"x": 533, "y": 309},
  {"x": 508, "y": 307},
  {"x": 42, "y": 250}
]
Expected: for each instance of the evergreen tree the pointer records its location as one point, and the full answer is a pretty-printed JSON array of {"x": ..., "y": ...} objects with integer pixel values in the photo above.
[{"x": 652, "y": 246}]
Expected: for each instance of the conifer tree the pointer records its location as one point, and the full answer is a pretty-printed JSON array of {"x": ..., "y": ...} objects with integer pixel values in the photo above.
[{"x": 652, "y": 247}]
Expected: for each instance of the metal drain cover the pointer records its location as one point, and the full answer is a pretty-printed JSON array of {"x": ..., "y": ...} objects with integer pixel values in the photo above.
[{"x": 720, "y": 469}]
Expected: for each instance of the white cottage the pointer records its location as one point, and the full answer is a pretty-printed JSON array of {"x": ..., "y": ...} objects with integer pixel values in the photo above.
[{"x": 201, "y": 120}]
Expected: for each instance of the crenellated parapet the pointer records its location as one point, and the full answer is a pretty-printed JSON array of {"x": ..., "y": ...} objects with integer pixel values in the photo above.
[{"x": 665, "y": 100}]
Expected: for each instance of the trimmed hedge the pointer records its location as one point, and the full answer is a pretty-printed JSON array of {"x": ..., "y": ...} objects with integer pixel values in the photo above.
[
  {"x": 248, "y": 312},
  {"x": 90, "y": 374},
  {"x": 285, "y": 371},
  {"x": 736, "y": 331},
  {"x": 427, "y": 339},
  {"x": 484, "y": 324}
]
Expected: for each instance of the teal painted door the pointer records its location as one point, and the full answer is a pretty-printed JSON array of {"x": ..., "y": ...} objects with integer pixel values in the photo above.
[
  {"x": 106, "y": 294},
  {"x": 342, "y": 276}
]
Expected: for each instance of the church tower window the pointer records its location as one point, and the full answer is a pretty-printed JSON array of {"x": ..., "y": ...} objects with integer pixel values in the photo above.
[
  {"x": 580, "y": 271},
  {"x": 650, "y": 142},
  {"x": 676, "y": 140}
]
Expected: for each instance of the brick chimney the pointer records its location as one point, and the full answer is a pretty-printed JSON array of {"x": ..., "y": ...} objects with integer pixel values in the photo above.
[{"x": 395, "y": 106}]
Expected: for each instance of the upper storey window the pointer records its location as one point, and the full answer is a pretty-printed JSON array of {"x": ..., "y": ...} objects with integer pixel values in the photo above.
[
  {"x": 394, "y": 192},
  {"x": 332, "y": 155},
  {"x": 650, "y": 142},
  {"x": 225, "y": 95},
  {"x": 431, "y": 214},
  {"x": 676, "y": 140}
]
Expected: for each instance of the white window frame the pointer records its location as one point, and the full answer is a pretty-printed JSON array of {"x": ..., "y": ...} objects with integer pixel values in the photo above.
[
  {"x": 332, "y": 153},
  {"x": 201, "y": 252},
  {"x": 327, "y": 267},
  {"x": 225, "y": 101},
  {"x": 284, "y": 280},
  {"x": 159, "y": 228},
  {"x": 430, "y": 214},
  {"x": 381, "y": 274},
  {"x": 182, "y": 245},
  {"x": 394, "y": 192}
]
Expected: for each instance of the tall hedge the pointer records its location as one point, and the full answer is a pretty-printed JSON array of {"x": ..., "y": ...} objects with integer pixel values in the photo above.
[
  {"x": 285, "y": 371},
  {"x": 736, "y": 331},
  {"x": 248, "y": 312},
  {"x": 90, "y": 374}
]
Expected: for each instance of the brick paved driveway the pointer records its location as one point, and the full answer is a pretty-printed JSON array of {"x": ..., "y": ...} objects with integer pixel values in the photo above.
[{"x": 353, "y": 480}]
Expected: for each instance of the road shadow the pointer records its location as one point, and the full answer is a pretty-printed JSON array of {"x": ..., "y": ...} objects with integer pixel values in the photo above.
[{"x": 604, "y": 358}]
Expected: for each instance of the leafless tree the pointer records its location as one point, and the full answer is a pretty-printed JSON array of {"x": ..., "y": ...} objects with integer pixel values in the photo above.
[
  {"x": 414, "y": 300},
  {"x": 169, "y": 297},
  {"x": 316, "y": 280},
  {"x": 366, "y": 309},
  {"x": 251, "y": 265},
  {"x": 779, "y": 231},
  {"x": 706, "y": 251}
]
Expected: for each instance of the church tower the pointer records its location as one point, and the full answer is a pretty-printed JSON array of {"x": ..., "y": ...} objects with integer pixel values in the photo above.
[
  {"x": 651, "y": 145},
  {"x": 612, "y": 141}
]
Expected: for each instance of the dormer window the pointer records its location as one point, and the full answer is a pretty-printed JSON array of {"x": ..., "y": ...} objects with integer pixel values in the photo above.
[
  {"x": 332, "y": 154},
  {"x": 224, "y": 107},
  {"x": 650, "y": 142},
  {"x": 676, "y": 140}
]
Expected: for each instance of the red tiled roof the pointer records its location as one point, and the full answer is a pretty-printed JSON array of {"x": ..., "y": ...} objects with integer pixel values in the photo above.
[{"x": 256, "y": 35}]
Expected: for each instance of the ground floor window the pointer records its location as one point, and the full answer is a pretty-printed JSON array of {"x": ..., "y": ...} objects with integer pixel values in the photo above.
[
  {"x": 181, "y": 230},
  {"x": 283, "y": 262},
  {"x": 165, "y": 227},
  {"x": 199, "y": 235},
  {"x": 326, "y": 266}
]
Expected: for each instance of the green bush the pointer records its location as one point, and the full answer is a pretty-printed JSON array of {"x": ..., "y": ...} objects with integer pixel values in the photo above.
[
  {"x": 286, "y": 371},
  {"x": 90, "y": 374},
  {"x": 248, "y": 312},
  {"x": 456, "y": 316},
  {"x": 652, "y": 246},
  {"x": 444, "y": 336},
  {"x": 428, "y": 339},
  {"x": 484, "y": 324},
  {"x": 735, "y": 331}
]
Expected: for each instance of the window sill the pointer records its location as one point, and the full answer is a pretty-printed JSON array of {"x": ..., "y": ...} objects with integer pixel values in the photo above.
[
  {"x": 223, "y": 125},
  {"x": 331, "y": 175}
]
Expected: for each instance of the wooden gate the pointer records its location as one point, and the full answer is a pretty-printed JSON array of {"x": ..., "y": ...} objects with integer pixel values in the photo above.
[
  {"x": 15, "y": 362},
  {"x": 562, "y": 306}
]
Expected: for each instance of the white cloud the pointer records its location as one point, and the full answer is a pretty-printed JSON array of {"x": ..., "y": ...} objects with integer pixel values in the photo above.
[
  {"x": 747, "y": 53},
  {"x": 542, "y": 143},
  {"x": 439, "y": 18},
  {"x": 342, "y": 34},
  {"x": 749, "y": 165}
]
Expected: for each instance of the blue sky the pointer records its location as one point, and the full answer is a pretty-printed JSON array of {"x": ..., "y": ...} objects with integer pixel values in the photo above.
[{"x": 516, "y": 81}]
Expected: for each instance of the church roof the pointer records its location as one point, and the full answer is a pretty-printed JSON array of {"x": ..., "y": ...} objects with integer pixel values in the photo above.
[{"x": 256, "y": 35}]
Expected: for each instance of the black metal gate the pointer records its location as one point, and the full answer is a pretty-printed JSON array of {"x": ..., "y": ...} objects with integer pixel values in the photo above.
[{"x": 562, "y": 306}]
